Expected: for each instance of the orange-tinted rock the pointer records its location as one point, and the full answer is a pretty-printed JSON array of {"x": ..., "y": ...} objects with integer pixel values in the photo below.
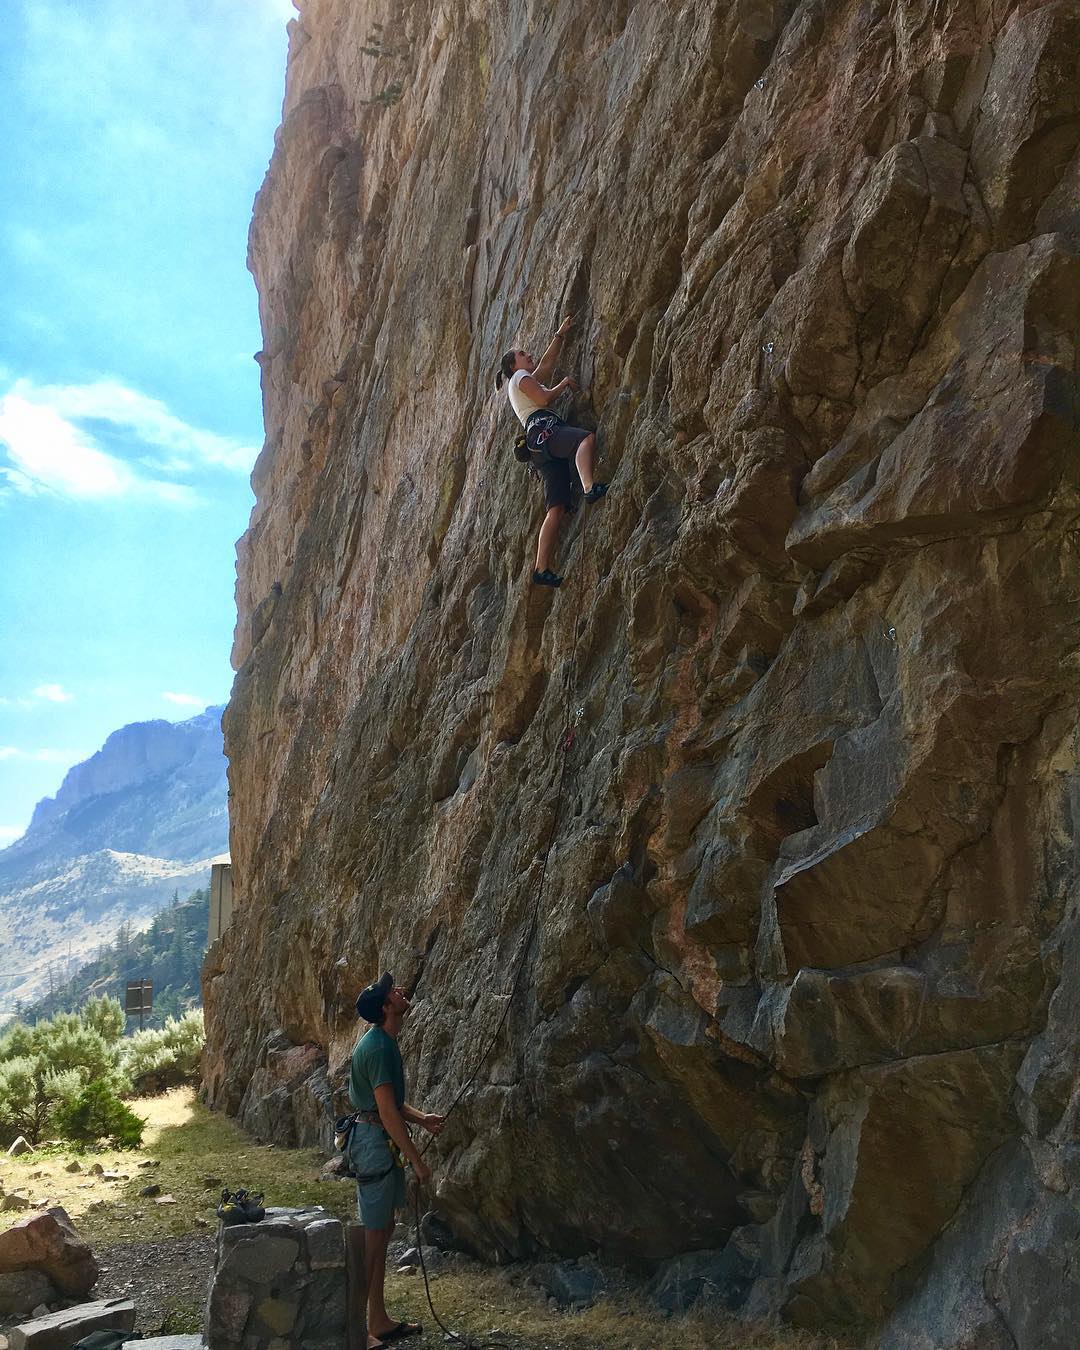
[
  {"x": 48, "y": 1242},
  {"x": 792, "y": 1001}
]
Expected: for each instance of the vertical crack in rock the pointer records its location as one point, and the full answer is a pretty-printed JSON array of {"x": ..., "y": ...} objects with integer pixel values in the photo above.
[{"x": 799, "y": 1022}]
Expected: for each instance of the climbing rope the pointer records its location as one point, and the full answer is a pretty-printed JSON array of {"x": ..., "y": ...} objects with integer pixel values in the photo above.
[{"x": 566, "y": 745}]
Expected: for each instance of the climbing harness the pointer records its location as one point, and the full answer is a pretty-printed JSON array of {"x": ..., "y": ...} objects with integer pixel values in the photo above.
[
  {"x": 343, "y": 1131},
  {"x": 566, "y": 744},
  {"x": 539, "y": 429},
  {"x": 530, "y": 444}
]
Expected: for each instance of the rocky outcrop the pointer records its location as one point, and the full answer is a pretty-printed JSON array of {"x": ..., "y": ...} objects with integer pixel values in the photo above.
[
  {"x": 153, "y": 787},
  {"x": 794, "y": 1013}
]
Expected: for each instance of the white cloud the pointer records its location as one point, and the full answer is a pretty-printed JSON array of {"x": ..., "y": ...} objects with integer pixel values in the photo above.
[
  {"x": 148, "y": 418},
  {"x": 53, "y": 693},
  {"x": 185, "y": 700},
  {"x": 52, "y": 454},
  {"x": 49, "y": 449}
]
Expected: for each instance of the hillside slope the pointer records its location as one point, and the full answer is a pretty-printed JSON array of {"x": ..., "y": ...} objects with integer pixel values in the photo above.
[
  {"x": 802, "y": 996},
  {"x": 169, "y": 953},
  {"x": 142, "y": 818}
]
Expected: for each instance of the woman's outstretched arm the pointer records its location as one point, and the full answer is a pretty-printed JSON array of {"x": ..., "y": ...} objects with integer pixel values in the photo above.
[
  {"x": 545, "y": 367},
  {"x": 540, "y": 393}
]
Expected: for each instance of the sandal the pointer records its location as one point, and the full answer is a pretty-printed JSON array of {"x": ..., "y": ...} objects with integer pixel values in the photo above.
[
  {"x": 400, "y": 1331},
  {"x": 546, "y": 578},
  {"x": 595, "y": 492}
]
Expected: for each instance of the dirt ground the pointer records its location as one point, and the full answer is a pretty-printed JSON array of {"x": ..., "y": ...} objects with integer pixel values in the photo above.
[{"x": 159, "y": 1249}]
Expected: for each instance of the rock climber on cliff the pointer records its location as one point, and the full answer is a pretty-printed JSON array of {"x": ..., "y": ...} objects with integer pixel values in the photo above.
[
  {"x": 380, "y": 1141},
  {"x": 551, "y": 441}
]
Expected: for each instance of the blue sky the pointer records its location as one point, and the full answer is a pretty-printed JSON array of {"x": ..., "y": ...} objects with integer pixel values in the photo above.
[{"x": 136, "y": 133}]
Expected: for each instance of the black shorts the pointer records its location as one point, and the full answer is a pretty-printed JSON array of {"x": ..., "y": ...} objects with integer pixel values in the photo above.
[{"x": 552, "y": 459}]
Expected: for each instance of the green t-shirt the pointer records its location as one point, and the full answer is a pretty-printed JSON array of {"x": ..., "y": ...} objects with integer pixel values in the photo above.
[{"x": 376, "y": 1060}]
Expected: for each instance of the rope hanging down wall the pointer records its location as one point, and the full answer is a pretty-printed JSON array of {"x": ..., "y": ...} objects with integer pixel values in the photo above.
[{"x": 566, "y": 744}]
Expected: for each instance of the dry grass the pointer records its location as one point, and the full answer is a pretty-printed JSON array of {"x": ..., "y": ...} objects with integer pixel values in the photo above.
[
  {"x": 479, "y": 1302},
  {"x": 190, "y": 1144}
]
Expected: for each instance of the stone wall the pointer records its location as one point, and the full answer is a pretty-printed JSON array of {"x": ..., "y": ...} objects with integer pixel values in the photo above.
[
  {"x": 795, "y": 998},
  {"x": 279, "y": 1283}
]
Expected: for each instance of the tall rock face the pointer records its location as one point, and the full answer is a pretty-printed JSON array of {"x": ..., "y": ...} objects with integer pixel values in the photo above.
[
  {"x": 137, "y": 821},
  {"x": 802, "y": 988}
]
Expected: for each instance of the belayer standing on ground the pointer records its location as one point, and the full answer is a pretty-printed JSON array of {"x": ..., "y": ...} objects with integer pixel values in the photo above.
[
  {"x": 380, "y": 1143},
  {"x": 551, "y": 441}
]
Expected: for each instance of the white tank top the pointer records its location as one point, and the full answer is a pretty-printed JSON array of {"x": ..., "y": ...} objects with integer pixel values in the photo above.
[{"x": 519, "y": 400}]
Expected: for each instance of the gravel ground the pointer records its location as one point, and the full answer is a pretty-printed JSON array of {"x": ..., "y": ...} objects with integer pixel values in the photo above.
[{"x": 166, "y": 1279}]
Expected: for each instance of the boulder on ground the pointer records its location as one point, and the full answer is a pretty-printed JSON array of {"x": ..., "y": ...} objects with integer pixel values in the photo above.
[
  {"x": 570, "y": 1285},
  {"x": 48, "y": 1242},
  {"x": 15, "y": 1201},
  {"x": 336, "y": 1169},
  {"x": 22, "y": 1290},
  {"x": 63, "y": 1330},
  {"x": 19, "y": 1146}
]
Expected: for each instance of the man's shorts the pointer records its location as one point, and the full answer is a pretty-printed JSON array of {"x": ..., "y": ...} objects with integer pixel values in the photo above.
[{"x": 369, "y": 1155}]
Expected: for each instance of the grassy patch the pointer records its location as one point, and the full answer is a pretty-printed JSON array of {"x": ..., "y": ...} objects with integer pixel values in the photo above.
[
  {"x": 182, "y": 1319},
  {"x": 190, "y": 1145}
]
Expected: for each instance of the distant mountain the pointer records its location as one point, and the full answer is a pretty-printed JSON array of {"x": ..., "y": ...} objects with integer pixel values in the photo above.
[{"x": 139, "y": 820}]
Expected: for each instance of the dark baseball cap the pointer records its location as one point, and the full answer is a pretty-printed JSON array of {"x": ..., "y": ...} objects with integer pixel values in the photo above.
[{"x": 369, "y": 1004}]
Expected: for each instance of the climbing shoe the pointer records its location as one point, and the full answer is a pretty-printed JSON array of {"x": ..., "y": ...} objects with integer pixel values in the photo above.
[
  {"x": 546, "y": 578},
  {"x": 240, "y": 1207},
  {"x": 596, "y": 492}
]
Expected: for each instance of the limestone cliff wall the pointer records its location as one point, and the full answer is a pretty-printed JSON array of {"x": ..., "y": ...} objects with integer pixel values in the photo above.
[{"x": 800, "y": 995}]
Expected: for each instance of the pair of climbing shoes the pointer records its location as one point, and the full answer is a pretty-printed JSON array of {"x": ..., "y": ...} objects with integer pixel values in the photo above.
[{"x": 240, "y": 1207}]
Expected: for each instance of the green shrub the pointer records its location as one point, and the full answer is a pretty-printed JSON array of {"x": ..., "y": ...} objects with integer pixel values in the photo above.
[
  {"x": 96, "y": 1113},
  {"x": 155, "y": 1060},
  {"x": 45, "y": 1068},
  {"x": 74, "y": 1047},
  {"x": 105, "y": 1016},
  {"x": 32, "y": 1093},
  {"x": 16, "y": 1042}
]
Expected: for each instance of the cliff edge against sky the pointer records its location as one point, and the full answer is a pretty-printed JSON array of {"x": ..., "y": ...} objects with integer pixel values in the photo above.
[{"x": 803, "y": 993}]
